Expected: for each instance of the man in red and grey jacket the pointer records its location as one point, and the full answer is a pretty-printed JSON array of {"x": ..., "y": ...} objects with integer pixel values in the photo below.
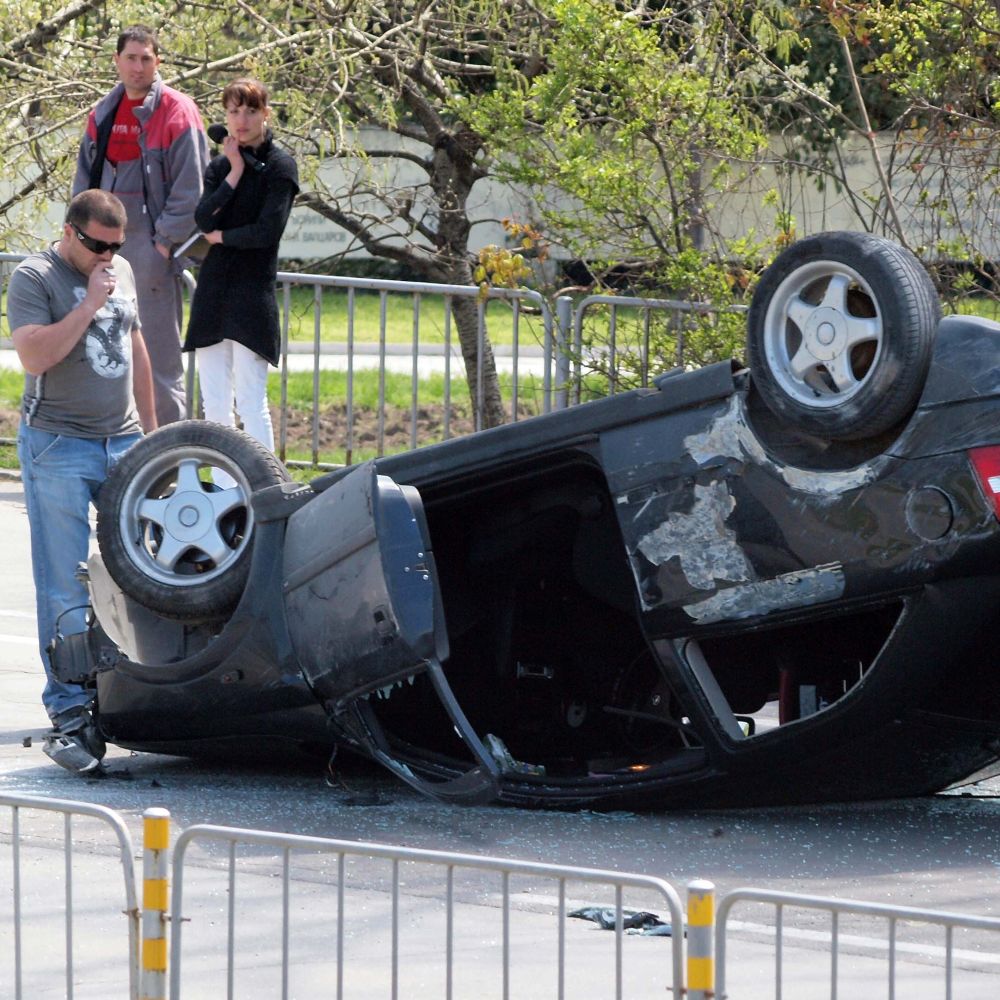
[{"x": 146, "y": 142}]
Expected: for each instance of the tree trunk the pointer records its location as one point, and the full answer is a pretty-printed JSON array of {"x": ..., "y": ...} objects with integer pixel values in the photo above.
[
  {"x": 452, "y": 173},
  {"x": 486, "y": 399},
  {"x": 489, "y": 408}
]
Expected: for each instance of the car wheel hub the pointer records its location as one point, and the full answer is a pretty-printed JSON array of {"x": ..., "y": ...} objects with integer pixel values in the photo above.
[
  {"x": 825, "y": 335},
  {"x": 189, "y": 516}
]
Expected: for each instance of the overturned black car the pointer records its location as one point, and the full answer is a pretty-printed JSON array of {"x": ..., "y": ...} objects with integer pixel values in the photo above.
[{"x": 778, "y": 584}]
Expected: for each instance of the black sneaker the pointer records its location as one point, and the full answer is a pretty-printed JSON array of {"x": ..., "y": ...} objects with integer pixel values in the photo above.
[{"x": 75, "y": 742}]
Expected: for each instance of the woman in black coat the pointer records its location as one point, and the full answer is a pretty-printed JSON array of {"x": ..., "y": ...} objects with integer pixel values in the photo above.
[{"x": 233, "y": 328}]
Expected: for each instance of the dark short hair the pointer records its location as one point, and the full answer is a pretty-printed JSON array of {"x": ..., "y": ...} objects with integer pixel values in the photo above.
[
  {"x": 245, "y": 91},
  {"x": 138, "y": 33},
  {"x": 95, "y": 205}
]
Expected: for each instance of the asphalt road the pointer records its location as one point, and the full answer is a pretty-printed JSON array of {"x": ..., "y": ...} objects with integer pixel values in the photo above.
[{"x": 939, "y": 852}]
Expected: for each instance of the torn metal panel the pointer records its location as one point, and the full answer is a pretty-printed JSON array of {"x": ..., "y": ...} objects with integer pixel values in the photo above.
[
  {"x": 708, "y": 550},
  {"x": 730, "y": 436},
  {"x": 760, "y": 597}
]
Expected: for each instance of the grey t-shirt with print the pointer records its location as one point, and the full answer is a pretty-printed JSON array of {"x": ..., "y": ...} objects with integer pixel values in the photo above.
[{"x": 89, "y": 393}]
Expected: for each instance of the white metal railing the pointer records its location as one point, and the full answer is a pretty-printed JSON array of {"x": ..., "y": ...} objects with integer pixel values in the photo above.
[
  {"x": 446, "y": 863},
  {"x": 606, "y": 356},
  {"x": 554, "y": 366},
  {"x": 17, "y": 839},
  {"x": 887, "y": 916},
  {"x": 382, "y": 905}
]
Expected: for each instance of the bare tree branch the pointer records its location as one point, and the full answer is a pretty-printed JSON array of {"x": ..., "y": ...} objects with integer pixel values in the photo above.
[{"x": 45, "y": 31}]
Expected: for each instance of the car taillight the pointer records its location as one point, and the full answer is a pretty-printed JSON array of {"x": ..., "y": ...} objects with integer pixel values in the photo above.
[{"x": 987, "y": 465}]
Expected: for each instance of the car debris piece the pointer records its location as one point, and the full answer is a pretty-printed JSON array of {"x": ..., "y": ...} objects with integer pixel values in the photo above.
[
  {"x": 641, "y": 921},
  {"x": 500, "y": 753}
]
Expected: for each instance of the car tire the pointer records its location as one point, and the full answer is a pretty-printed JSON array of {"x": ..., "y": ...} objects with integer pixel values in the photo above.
[
  {"x": 174, "y": 521},
  {"x": 840, "y": 334}
]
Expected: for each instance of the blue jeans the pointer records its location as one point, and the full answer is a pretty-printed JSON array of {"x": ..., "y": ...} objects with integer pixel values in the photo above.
[{"x": 62, "y": 476}]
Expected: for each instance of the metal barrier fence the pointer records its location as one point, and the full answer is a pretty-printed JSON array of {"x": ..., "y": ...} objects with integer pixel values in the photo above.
[
  {"x": 363, "y": 919},
  {"x": 386, "y": 935},
  {"x": 889, "y": 917},
  {"x": 543, "y": 362},
  {"x": 547, "y": 354},
  {"x": 534, "y": 369},
  {"x": 13, "y": 973},
  {"x": 607, "y": 356}
]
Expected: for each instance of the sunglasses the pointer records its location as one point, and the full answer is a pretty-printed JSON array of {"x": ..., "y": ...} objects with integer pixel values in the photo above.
[{"x": 95, "y": 246}]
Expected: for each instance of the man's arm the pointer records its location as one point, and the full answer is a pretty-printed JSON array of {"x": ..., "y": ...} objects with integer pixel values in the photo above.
[
  {"x": 39, "y": 346},
  {"x": 142, "y": 382}
]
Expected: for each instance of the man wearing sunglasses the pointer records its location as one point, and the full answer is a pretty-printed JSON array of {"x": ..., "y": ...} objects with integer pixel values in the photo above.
[
  {"x": 146, "y": 142},
  {"x": 88, "y": 395}
]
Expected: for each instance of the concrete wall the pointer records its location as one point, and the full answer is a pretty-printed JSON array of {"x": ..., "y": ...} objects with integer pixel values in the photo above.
[{"x": 959, "y": 176}]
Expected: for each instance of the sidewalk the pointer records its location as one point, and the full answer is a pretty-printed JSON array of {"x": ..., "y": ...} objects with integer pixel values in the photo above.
[{"x": 398, "y": 358}]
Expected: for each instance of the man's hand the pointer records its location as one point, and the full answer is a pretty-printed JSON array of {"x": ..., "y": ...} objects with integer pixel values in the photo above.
[
  {"x": 162, "y": 250},
  {"x": 39, "y": 346},
  {"x": 100, "y": 286}
]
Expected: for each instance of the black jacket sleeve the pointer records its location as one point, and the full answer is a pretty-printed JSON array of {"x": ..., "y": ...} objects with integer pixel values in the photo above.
[
  {"x": 215, "y": 196},
  {"x": 266, "y": 230}
]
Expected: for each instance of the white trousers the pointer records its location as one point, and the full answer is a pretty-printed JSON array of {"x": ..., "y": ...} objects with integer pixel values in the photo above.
[{"x": 229, "y": 371}]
